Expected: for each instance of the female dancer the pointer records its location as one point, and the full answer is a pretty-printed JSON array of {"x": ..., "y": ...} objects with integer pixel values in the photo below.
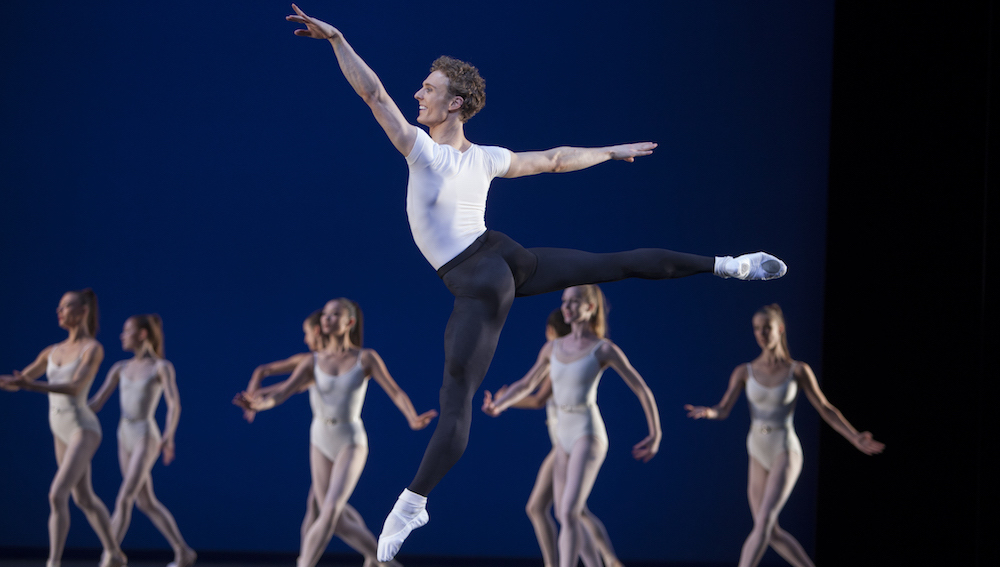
[
  {"x": 143, "y": 378},
  {"x": 772, "y": 381},
  {"x": 337, "y": 377},
  {"x": 542, "y": 495},
  {"x": 449, "y": 180},
  {"x": 70, "y": 367},
  {"x": 351, "y": 528},
  {"x": 575, "y": 364}
]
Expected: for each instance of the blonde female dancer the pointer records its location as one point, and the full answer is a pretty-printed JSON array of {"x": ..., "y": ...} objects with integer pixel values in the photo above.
[
  {"x": 350, "y": 527},
  {"x": 143, "y": 379},
  {"x": 772, "y": 381},
  {"x": 595, "y": 541},
  {"x": 70, "y": 367},
  {"x": 575, "y": 364},
  {"x": 337, "y": 377}
]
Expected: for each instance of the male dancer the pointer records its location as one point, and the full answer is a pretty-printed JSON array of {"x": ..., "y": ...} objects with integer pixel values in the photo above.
[{"x": 449, "y": 178}]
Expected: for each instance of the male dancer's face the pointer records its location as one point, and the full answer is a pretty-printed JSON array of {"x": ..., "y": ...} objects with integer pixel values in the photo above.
[{"x": 435, "y": 101}]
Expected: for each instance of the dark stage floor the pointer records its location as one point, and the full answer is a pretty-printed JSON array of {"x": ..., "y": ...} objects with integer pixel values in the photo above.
[{"x": 89, "y": 558}]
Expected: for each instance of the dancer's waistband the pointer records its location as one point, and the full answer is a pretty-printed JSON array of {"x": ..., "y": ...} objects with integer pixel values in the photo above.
[{"x": 464, "y": 254}]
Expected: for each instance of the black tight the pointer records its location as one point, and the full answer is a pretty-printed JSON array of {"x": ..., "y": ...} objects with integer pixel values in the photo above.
[{"x": 484, "y": 280}]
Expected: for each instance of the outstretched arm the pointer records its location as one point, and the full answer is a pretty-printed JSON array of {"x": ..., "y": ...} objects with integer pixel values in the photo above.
[
  {"x": 365, "y": 82},
  {"x": 564, "y": 159},
  {"x": 613, "y": 356},
  {"x": 806, "y": 380},
  {"x": 168, "y": 377},
  {"x": 375, "y": 367},
  {"x": 520, "y": 389},
  {"x": 534, "y": 400},
  {"x": 13, "y": 382},
  {"x": 98, "y": 400},
  {"x": 301, "y": 377},
  {"x": 85, "y": 371},
  {"x": 275, "y": 368},
  {"x": 737, "y": 381}
]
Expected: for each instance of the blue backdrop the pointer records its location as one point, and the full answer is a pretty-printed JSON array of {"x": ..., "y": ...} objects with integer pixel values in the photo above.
[{"x": 199, "y": 161}]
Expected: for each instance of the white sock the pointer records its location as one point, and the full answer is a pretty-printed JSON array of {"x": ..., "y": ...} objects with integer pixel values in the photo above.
[
  {"x": 407, "y": 514},
  {"x": 720, "y": 266}
]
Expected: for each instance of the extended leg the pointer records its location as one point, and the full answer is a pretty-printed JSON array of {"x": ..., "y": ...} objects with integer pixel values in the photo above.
[
  {"x": 559, "y": 268},
  {"x": 164, "y": 521},
  {"x": 599, "y": 535}
]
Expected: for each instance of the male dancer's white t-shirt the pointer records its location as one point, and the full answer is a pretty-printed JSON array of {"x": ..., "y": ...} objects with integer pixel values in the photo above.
[{"x": 446, "y": 195}]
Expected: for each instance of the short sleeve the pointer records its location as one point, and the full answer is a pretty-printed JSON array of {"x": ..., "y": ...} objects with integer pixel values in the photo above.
[
  {"x": 499, "y": 159},
  {"x": 422, "y": 153}
]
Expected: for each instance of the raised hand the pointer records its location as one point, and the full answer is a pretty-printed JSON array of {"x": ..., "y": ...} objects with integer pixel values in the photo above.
[
  {"x": 316, "y": 29},
  {"x": 628, "y": 152},
  {"x": 422, "y": 420},
  {"x": 867, "y": 445},
  {"x": 699, "y": 412},
  {"x": 646, "y": 449}
]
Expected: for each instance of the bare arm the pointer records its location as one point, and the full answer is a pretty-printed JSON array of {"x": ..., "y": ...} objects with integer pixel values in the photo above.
[
  {"x": 375, "y": 367},
  {"x": 565, "y": 159},
  {"x": 864, "y": 442},
  {"x": 98, "y": 400},
  {"x": 168, "y": 377},
  {"x": 737, "y": 381},
  {"x": 85, "y": 371},
  {"x": 365, "y": 82},
  {"x": 536, "y": 399},
  {"x": 276, "y": 368},
  {"x": 31, "y": 372},
  {"x": 610, "y": 354},
  {"x": 520, "y": 389},
  {"x": 301, "y": 377}
]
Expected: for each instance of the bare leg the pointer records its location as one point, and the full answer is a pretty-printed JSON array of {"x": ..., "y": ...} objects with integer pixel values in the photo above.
[
  {"x": 538, "y": 507},
  {"x": 596, "y": 531},
  {"x": 135, "y": 466},
  {"x": 312, "y": 511},
  {"x": 333, "y": 484},
  {"x": 164, "y": 521},
  {"x": 767, "y": 493},
  {"x": 574, "y": 478},
  {"x": 73, "y": 477}
]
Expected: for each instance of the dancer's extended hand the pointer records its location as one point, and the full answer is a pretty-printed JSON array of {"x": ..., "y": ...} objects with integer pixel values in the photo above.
[
  {"x": 628, "y": 152},
  {"x": 316, "y": 29},
  {"x": 646, "y": 449},
  {"x": 242, "y": 400},
  {"x": 14, "y": 382},
  {"x": 489, "y": 408},
  {"x": 700, "y": 412},
  {"x": 867, "y": 445},
  {"x": 423, "y": 420}
]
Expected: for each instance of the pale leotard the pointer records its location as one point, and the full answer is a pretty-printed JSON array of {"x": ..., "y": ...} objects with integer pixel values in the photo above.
[
  {"x": 139, "y": 397},
  {"x": 336, "y": 402},
  {"x": 574, "y": 391},
  {"x": 771, "y": 412},
  {"x": 69, "y": 413}
]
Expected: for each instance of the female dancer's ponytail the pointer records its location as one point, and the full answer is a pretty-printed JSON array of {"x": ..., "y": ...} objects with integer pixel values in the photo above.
[{"x": 153, "y": 325}]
